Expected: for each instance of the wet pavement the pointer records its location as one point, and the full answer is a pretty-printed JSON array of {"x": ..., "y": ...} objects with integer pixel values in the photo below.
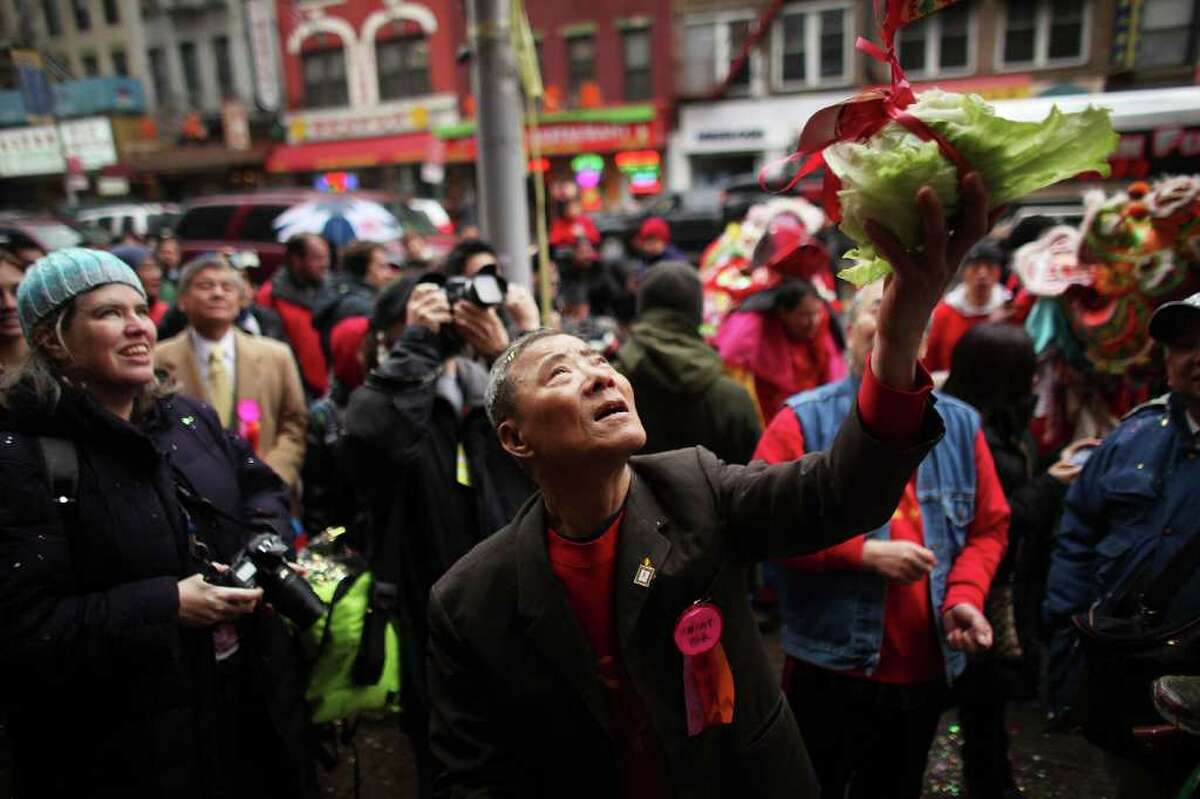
[{"x": 1045, "y": 766}]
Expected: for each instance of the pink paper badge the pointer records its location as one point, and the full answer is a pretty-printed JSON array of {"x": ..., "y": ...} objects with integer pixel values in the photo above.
[{"x": 698, "y": 629}]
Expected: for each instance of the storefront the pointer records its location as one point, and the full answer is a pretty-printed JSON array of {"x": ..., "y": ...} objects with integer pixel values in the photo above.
[
  {"x": 383, "y": 147},
  {"x": 719, "y": 140},
  {"x": 614, "y": 155}
]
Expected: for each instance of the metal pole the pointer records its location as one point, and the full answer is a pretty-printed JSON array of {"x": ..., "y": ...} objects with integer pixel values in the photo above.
[{"x": 500, "y": 164}]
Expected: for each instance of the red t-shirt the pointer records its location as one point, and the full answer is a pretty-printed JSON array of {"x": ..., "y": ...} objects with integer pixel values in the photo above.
[
  {"x": 948, "y": 326},
  {"x": 586, "y": 571},
  {"x": 910, "y": 652}
]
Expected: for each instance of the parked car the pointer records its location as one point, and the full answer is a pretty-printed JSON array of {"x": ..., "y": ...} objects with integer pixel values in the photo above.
[
  {"x": 46, "y": 231},
  {"x": 739, "y": 193},
  {"x": 253, "y": 222},
  {"x": 143, "y": 219}
]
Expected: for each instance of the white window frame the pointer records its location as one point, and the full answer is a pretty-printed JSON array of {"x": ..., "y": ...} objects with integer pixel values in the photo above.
[
  {"x": 812, "y": 46},
  {"x": 724, "y": 55},
  {"x": 1041, "y": 40},
  {"x": 933, "y": 48}
]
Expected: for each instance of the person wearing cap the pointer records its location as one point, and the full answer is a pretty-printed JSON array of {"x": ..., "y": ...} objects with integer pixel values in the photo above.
[
  {"x": 426, "y": 464},
  {"x": 652, "y": 244},
  {"x": 979, "y": 298},
  {"x": 12, "y": 340},
  {"x": 1135, "y": 505},
  {"x": 141, "y": 260},
  {"x": 684, "y": 397},
  {"x": 126, "y": 673},
  {"x": 252, "y": 383}
]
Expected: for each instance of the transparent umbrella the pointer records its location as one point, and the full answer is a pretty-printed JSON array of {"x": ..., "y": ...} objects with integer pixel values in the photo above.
[{"x": 339, "y": 219}]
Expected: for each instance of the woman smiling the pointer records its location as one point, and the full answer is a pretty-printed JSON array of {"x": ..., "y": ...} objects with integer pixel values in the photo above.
[{"x": 117, "y": 653}]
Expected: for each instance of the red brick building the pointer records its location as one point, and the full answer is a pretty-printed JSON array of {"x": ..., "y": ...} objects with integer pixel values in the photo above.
[
  {"x": 365, "y": 83},
  {"x": 608, "y": 71}
]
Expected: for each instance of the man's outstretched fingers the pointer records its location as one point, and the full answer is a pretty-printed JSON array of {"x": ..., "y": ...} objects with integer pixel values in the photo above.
[
  {"x": 934, "y": 218},
  {"x": 975, "y": 223},
  {"x": 887, "y": 245}
]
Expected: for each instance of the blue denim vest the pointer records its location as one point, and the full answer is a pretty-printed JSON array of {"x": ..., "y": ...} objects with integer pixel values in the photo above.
[{"x": 835, "y": 619}]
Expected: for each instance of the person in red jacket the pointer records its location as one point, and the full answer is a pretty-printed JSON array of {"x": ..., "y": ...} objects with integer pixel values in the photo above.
[
  {"x": 875, "y": 628},
  {"x": 571, "y": 225},
  {"x": 293, "y": 292},
  {"x": 977, "y": 299}
]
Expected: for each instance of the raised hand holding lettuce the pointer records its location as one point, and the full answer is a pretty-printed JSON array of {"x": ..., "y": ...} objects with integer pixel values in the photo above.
[{"x": 880, "y": 176}]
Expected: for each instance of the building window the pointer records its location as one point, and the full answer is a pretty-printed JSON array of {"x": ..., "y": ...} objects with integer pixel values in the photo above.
[
  {"x": 812, "y": 45},
  {"x": 83, "y": 17},
  {"x": 91, "y": 66},
  {"x": 581, "y": 63},
  {"x": 940, "y": 44},
  {"x": 53, "y": 20},
  {"x": 158, "y": 74},
  {"x": 1043, "y": 33},
  {"x": 1166, "y": 30},
  {"x": 403, "y": 67},
  {"x": 710, "y": 50},
  {"x": 325, "y": 78},
  {"x": 120, "y": 63},
  {"x": 635, "y": 46},
  {"x": 191, "y": 72},
  {"x": 112, "y": 13},
  {"x": 220, "y": 49}
]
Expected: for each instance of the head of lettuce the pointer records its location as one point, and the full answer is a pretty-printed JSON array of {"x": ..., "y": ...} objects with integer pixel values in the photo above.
[{"x": 880, "y": 175}]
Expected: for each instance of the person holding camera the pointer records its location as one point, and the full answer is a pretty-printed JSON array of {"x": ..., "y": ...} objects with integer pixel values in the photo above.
[
  {"x": 427, "y": 464},
  {"x": 127, "y": 672}
]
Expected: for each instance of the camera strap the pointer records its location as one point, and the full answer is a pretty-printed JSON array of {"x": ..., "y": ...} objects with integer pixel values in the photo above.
[{"x": 62, "y": 469}]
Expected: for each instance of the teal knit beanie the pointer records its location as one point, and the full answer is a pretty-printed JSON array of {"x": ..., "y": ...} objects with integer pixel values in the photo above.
[{"x": 57, "y": 278}]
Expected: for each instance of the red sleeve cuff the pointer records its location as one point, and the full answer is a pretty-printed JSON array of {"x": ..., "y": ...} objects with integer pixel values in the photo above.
[
  {"x": 964, "y": 594},
  {"x": 890, "y": 415}
]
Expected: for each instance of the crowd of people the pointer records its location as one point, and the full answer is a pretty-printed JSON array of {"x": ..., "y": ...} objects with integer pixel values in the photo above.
[{"x": 580, "y": 525}]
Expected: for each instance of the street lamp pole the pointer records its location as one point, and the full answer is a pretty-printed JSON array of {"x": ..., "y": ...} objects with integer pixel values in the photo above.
[{"x": 500, "y": 164}]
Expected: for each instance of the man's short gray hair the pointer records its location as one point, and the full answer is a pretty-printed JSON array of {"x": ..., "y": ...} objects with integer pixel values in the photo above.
[
  {"x": 499, "y": 399},
  {"x": 198, "y": 265},
  {"x": 864, "y": 299}
]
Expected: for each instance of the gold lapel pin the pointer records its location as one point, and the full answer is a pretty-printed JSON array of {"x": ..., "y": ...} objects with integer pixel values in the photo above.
[{"x": 645, "y": 573}]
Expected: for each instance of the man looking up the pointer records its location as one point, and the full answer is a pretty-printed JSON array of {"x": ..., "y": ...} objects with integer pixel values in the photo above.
[
  {"x": 602, "y": 643},
  {"x": 241, "y": 376},
  {"x": 293, "y": 292}
]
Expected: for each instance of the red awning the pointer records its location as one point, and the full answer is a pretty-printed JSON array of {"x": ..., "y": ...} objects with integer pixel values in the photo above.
[{"x": 405, "y": 148}]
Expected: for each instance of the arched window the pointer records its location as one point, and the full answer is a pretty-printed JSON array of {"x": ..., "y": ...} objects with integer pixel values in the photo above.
[
  {"x": 323, "y": 64},
  {"x": 402, "y": 58}
]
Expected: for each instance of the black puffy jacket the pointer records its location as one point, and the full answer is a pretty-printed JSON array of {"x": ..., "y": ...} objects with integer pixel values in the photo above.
[{"x": 108, "y": 694}]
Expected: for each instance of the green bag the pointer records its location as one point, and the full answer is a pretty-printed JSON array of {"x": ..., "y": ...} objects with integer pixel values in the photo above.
[{"x": 333, "y": 645}]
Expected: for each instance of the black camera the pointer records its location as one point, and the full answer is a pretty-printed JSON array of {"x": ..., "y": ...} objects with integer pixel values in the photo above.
[
  {"x": 263, "y": 564},
  {"x": 483, "y": 290}
]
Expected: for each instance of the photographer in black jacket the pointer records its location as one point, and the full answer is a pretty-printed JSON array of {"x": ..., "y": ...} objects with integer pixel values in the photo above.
[{"x": 428, "y": 464}]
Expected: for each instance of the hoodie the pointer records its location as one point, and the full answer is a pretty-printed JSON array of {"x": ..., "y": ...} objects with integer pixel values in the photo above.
[{"x": 682, "y": 395}]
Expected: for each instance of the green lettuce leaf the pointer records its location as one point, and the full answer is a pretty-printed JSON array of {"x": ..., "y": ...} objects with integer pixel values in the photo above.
[{"x": 880, "y": 176}]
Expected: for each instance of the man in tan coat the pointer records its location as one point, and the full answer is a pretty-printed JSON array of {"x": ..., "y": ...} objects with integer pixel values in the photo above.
[{"x": 241, "y": 376}]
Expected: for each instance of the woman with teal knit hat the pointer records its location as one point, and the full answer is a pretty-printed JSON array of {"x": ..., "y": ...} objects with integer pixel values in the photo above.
[{"x": 126, "y": 673}]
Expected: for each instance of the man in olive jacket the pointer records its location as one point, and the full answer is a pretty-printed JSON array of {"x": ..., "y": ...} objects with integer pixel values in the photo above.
[
  {"x": 684, "y": 398},
  {"x": 557, "y": 662}
]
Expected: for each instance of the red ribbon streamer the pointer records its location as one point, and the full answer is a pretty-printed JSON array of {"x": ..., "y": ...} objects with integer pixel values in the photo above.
[{"x": 862, "y": 117}]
